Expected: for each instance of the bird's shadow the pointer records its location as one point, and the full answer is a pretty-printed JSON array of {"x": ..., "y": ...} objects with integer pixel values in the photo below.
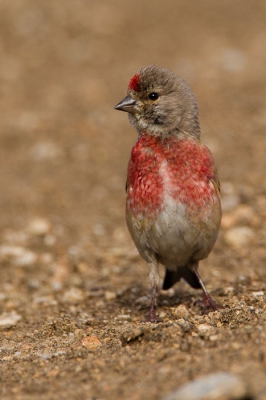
[{"x": 139, "y": 296}]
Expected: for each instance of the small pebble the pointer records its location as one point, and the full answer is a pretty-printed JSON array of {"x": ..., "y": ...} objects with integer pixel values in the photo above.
[
  {"x": 49, "y": 240},
  {"x": 144, "y": 301},
  {"x": 18, "y": 254},
  {"x": 45, "y": 356},
  {"x": 38, "y": 226},
  {"x": 9, "y": 319},
  {"x": 130, "y": 334},
  {"x": 73, "y": 294},
  {"x": 123, "y": 316},
  {"x": 109, "y": 295},
  {"x": 45, "y": 300},
  {"x": 91, "y": 342},
  {"x": 181, "y": 311},
  {"x": 162, "y": 315},
  {"x": 258, "y": 294},
  {"x": 229, "y": 290},
  {"x": 27, "y": 259},
  {"x": 204, "y": 327},
  {"x": 169, "y": 292}
]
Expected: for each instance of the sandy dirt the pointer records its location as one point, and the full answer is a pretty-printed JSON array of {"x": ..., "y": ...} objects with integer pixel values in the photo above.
[{"x": 73, "y": 289}]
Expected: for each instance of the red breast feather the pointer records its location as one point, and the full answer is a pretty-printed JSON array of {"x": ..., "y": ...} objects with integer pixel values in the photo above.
[{"x": 182, "y": 169}]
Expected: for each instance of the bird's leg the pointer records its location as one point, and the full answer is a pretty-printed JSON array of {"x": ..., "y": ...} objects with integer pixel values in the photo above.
[
  {"x": 151, "y": 317},
  {"x": 154, "y": 279},
  {"x": 207, "y": 303}
]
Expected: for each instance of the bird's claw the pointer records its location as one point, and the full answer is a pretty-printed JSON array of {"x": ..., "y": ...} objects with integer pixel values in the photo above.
[
  {"x": 207, "y": 304},
  {"x": 151, "y": 317}
]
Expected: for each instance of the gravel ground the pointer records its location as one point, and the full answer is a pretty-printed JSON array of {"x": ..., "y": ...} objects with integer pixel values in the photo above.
[{"x": 73, "y": 290}]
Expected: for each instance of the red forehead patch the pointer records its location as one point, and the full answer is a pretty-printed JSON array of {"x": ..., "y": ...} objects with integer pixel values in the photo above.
[{"x": 134, "y": 83}]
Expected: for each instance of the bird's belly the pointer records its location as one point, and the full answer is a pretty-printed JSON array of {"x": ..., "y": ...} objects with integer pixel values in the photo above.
[
  {"x": 177, "y": 235},
  {"x": 172, "y": 236}
]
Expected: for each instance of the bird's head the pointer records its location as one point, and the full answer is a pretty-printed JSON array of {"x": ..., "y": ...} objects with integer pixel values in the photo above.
[{"x": 160, "y": 103}]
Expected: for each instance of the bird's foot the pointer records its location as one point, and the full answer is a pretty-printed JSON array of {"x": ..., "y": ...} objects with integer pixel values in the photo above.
[
  {"x": 207, "y": 304},
  {"x": 151, "y": 317}
]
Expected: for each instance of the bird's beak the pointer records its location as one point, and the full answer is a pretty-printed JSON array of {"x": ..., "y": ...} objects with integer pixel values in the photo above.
[{"x": 128, "y": 104}]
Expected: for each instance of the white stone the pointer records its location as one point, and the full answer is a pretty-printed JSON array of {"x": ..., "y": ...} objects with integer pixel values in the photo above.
[
  {"x": 239, "y": 237},
  {"x": 38, "y": 226},
  {"x": 258, "y": 294},
  {"x": 18, "y": 254},
  {"x": 9, "y": 319},
  {"x": 216, "y": 386}
]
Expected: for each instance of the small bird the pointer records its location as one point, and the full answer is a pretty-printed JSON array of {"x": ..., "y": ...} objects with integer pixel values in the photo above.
[{"x": 173, "y": 208}]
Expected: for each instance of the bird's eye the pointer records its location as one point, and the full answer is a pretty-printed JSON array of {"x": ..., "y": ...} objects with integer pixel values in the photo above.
[{"x": 153, "y": 96}]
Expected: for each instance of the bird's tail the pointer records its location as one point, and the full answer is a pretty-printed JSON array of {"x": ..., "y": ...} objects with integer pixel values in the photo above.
[{"x": 171, "y": 277}]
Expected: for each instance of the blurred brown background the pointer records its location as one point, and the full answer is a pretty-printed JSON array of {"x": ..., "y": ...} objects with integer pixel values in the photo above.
[{"x": 64, "y": 65}]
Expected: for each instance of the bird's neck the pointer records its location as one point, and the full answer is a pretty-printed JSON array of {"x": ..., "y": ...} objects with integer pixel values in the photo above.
[
  {"x": 187, "y": 128},
  {"x": 176, "y": 134}
]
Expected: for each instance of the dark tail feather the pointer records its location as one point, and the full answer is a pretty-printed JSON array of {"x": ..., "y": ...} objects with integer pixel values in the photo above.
[{"x": 171, "y": 277}]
